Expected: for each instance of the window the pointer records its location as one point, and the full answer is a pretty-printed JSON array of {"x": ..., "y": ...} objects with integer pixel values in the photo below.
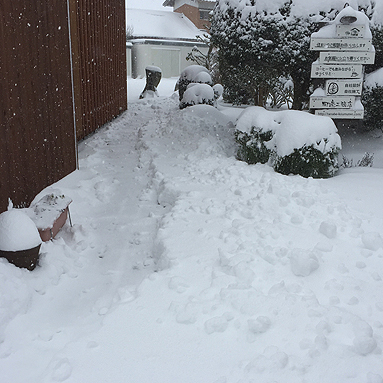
[{"x": 204, "y": 15}]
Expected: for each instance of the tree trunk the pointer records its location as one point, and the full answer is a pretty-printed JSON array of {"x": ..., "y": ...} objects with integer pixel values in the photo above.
[{"x": 301, "y": 87}]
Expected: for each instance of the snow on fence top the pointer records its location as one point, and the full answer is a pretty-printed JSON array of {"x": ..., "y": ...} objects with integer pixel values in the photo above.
[{"x": 292, "y": 129}]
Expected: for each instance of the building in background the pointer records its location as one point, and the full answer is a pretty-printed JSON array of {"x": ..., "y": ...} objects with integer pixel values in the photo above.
[
  {"x": 197, "y": 11},
  {"x": 159, "y": 38}
]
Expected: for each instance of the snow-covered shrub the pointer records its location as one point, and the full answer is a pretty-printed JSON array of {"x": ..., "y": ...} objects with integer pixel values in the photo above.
[
  {"x": 308, "y": 161},
  {"x": 372, "y": 100},
  {"x": 365, "y": 162},
  {"x": 192, "y": 74},
  {"x": 197, "y": 94},
  {"x": 204, "y": 93},
  {"x": 253, "y": 135},
  {"x": 292, "y": 142}
]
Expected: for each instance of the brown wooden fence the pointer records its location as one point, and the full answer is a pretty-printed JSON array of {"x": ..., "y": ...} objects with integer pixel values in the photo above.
[
  {"x": 99, "y": 62},
  {"x": 37, "y": 123}
]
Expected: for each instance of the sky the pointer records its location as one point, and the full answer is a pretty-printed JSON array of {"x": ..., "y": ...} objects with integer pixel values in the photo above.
[{"x": 147, "y": 4}]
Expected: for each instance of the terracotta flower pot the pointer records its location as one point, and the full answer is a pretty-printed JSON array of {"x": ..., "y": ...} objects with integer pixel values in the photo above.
[{"x": 23, "y": 258}]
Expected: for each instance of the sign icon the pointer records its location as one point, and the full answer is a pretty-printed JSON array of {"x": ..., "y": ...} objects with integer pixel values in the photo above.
[{"x": 333, "y": 88}]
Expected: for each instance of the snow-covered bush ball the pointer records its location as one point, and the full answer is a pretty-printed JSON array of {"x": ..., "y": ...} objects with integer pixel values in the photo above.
[
  {"x": 218, "y": 91},
  {"x": 188, "y": 75},
  {"x": 203, "y": 78},
  {"x": 372, "y": 100},
  {"x": 17, "y": 231},
  {"x": 197, "y": 94},
  {"x": 292, "y": 142}
]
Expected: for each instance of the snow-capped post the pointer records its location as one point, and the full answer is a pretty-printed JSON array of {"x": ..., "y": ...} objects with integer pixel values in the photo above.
[
  {"x": 345, "y": 46},
  {"x": 153, "y": 78}
]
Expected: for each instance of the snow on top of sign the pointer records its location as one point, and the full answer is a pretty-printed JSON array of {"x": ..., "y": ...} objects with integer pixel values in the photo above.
[
  {"x": 329, "y": 31},
  {"x": 292, "y": 129}
]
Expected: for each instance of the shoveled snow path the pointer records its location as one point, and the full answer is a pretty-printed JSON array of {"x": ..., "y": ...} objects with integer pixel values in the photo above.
[
  {"x": 88, "y": 269},
  {"x": 247, "y": 275}
]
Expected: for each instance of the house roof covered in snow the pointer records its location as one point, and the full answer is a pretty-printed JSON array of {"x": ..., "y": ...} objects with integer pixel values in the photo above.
[
  {"x": 163, "y": 25},
  {"x": 170, "y": 3}
]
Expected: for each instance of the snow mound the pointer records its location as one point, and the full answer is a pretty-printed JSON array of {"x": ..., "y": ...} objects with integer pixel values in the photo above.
[{"x": 17, "y": 231}]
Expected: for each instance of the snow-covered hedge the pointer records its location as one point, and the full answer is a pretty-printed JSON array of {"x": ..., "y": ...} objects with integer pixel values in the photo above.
[
  {"x": 292, "y": 142},
  {"x": 372, "y": 100},
  {"x": 196, "y": 94},
  {"x": 195, "y": 86},
  {"x": 192, "y": 74}
]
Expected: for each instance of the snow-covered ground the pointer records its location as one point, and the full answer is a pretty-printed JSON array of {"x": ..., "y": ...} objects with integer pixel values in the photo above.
[{"x": 185, "y": 265}]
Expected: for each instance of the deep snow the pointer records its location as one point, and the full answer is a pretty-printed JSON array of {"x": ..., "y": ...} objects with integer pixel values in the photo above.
[{"x": 186, "y": 265}]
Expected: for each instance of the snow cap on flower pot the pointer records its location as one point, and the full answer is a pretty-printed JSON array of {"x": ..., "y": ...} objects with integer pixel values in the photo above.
[{"x": 17, "y": 231}]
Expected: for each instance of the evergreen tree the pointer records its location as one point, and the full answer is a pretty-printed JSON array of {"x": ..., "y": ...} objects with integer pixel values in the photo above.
[{"x": 248, "y": 51}]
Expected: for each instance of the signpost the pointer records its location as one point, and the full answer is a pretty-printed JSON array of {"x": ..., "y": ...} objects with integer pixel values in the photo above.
[
  {"x": 341, "y": 44},
  {"x": 336, "y": 71},
  {"x": 331, "y": 102},
  {"x": 347, "y": 57},
  {"x": 344, "y": 87},
  {"x": 341, "y": 60},
  {"x": 350, "y": 30},
  {"x": 344, "y": 114}
]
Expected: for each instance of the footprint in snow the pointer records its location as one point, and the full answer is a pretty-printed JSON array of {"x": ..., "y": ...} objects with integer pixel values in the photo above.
[{"x": 62, "y": 370}]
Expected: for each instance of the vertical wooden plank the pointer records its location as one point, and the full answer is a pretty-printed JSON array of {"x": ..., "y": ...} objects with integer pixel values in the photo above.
[{"x": 38, "y": 145}]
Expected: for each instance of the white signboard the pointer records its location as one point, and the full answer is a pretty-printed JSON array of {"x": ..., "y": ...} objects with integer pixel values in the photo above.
[
  {"x": 344, "y": 87},
  {"x": 346, "y": 114},
  {"x": 338, "y": 44},
  {"x": 336, "y": 71},
  {"x": 329, "y": 102},
  {"x": 363, "y": 58},
  {"x": 355, "y": 31}
]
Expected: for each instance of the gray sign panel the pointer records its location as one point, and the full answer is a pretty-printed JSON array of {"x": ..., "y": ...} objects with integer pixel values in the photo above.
[
  {"x": 336, "y": 71},
  {"x": 344, "y": 87},
  {"x": 341, "y": 113},
  {"x": 332, "y": 102},
  {"x": 350, "y": 31},
  {"x": 363, "y": 58},
  {"x": 337, "y": 44}
]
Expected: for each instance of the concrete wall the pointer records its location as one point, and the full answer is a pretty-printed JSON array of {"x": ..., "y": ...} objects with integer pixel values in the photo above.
[
  {"x": 170, "y": 58},
  {"x": 129, "y": 60}
]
